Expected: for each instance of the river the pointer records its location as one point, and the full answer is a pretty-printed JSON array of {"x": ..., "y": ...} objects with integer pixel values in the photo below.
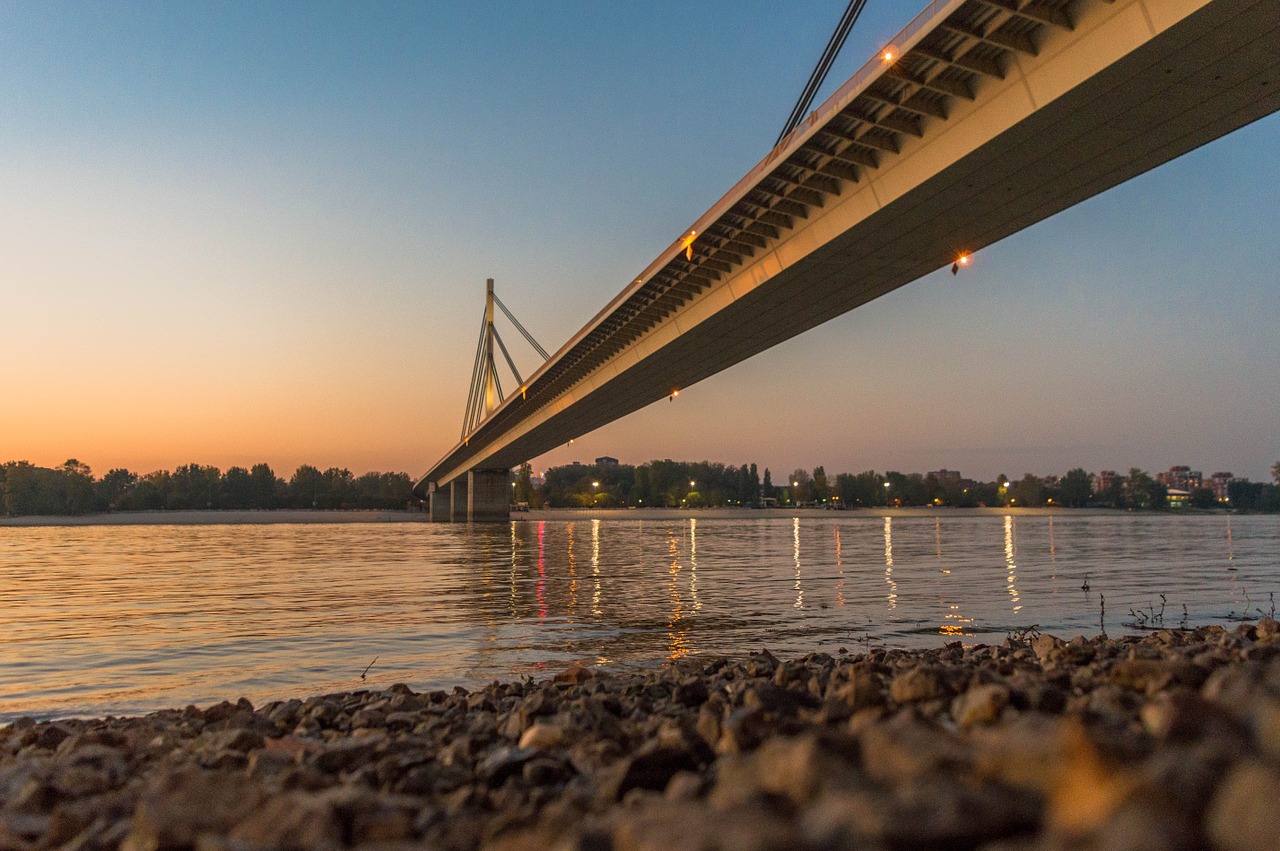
[{"x": 99, "y": 620}]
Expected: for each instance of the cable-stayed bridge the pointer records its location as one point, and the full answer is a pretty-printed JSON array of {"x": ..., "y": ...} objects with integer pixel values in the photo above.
[{"x": 979, "y": 119}]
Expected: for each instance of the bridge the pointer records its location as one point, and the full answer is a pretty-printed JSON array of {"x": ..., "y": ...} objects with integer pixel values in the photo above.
[{"x": 979, "y": 119}]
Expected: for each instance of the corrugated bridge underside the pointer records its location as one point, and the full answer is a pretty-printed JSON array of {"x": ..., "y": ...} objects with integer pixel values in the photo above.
[{"x": 884, "y": 184}]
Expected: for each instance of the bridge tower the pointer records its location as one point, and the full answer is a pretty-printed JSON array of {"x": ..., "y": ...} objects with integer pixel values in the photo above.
[{"x": 482, "y": 494}]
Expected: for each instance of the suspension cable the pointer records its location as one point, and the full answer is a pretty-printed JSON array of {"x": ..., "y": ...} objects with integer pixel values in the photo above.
[
  {"x": 520, "y": 328},
  {"x": 819, "y": 74}
]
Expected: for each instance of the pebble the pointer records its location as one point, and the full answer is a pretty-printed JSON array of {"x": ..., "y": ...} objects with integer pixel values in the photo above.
[{"x": 1168, "y": 740}]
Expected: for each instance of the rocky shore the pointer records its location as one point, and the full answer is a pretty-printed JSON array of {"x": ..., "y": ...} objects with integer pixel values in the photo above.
[{"x": 1166, "y": 741}]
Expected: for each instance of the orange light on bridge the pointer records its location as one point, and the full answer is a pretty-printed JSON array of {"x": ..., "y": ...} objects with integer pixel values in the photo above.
[
  {"x": 688, "y": 244},
  {"x": 962, "y": 260},
  {"x": 674, "y": 394},
  {"x": 888, "y": 55}
]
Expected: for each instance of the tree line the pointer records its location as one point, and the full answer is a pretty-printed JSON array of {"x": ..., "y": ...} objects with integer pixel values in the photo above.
[
  {"x": 71, "y": 488},
  {"x": 680, "y": 484}
]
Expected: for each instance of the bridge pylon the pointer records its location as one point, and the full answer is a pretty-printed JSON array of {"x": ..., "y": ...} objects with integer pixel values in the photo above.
[{"x": 482, "y": 494}]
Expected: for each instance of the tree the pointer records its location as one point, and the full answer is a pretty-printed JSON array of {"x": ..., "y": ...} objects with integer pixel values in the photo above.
[
  {"x": 801, "y": 486},
  {"x": 1075, "y": 488},
  {"x": 21, "y": 488},
  {"x": 266, "y": 488},
  {"x": 1203, "y": 498},
  {"x": 112, "y": 487},
  {"x": 524, "y": 484},
  {"x": 768, "y": 483},
  {"x": 1137, "y": 489},
  {"x": 194, "y": 488},
  {"x": 237, "y": 488},
  {"x": 1029, "y": 492},
  {"x": 75, "y": 484},
  {"x": 821, "y": 490},
  {"x": 1157, "y": 495},
  {"x": 307, "y": 487}
]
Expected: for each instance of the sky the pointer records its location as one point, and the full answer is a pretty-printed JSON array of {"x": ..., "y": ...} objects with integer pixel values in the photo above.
[{"x": 240, "y": 232}]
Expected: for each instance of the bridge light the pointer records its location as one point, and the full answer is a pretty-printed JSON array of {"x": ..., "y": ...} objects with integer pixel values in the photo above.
[
  {"x": 688, "y": 244},
  {"x": 674, "y": 393},
  {"x": 888, "y": 55},
  {"x": 962, "y": 260}
]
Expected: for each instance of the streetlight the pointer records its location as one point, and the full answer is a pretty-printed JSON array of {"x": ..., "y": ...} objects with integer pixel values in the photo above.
[{"x": 886, "y": 494}]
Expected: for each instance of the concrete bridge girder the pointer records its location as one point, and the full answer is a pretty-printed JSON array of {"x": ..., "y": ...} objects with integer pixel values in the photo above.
[{"x": 1131, "y": 85}]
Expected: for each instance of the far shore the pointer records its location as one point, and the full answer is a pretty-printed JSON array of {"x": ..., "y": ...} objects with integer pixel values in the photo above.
[
  {"x": 295, "y": 515},
  {"x": 218, "y": 518}
]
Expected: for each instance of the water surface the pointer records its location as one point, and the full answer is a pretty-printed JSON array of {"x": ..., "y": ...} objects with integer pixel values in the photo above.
[{"x": 125, "y": 619}]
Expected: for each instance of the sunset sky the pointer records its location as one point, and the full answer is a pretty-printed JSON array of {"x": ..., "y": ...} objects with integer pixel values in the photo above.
[{"x": 239, "y": 232}]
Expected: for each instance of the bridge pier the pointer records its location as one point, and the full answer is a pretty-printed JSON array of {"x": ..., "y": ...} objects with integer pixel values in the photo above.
[
  {"x": 440, "y": 503},
  {"x": 481, "y": 496},
  {"x": 488, "y": 496},
  {"x": 458, "y": 500}
]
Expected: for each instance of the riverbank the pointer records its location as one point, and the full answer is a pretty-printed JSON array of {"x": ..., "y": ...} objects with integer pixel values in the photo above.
[
  {"x": 1170, "y": 741},
  {"x": 231, "y": 517}
]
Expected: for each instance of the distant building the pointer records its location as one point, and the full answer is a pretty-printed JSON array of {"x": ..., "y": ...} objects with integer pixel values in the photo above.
[
  {"x": 1104, "y": 480},
  {"x": 1218, "y": 483},
  {"x": 947, "y": 479},
  {"x": 1181, "y": 477},
  {"x": 606, "y": 461}
]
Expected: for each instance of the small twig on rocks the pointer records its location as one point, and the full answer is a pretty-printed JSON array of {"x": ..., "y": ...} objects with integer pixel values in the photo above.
[
  {"x": 1023, "y": 634},
  {"x": 1102, "y": 615},
  {"x": 1085, "y": 586},
  {"x": 366, "y": 670},
  {"x": 1183, "y": 625}
]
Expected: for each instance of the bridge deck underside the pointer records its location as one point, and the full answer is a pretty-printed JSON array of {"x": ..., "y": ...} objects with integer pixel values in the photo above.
[{"x": 1200, "y": 79}]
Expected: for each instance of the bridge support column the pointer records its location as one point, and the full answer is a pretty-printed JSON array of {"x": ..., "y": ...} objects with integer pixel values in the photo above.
[
  {"x": 488, "y": 496},
  {"x": 458, "y": 500},
  {"x": 439, "y": 502}
]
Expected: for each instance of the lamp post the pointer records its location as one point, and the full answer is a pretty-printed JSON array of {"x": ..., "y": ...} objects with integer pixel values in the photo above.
[{"x": 886, "y": 494}]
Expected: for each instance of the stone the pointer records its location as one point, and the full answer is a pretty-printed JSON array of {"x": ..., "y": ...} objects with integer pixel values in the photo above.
[
  {"x": 797, "y": 769},
  {"x": 981, "y": 704},
  {"x": 1045, "y": 647},
  {"x": 344, "y": 755},
  {"x": 927, "y": 813},
  {"x": 922, "y": 682},
  {"x": 1086, "y": 788},
  {"x": 543, "y": 736},
  {"x": 1244, "y": 813},
  {"x": 294, "y": 821},
  {"x": 650, "y": 769},
  {"x": 181, "y": 805},
  {"x": 1151, "y": 676}
]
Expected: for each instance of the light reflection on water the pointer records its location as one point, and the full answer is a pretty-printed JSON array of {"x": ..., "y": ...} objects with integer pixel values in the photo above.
[{"x": 116, "y": 619}]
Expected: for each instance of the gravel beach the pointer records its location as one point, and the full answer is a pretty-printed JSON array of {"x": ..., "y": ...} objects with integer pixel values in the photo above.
[{"x": 1170, "y": 740}]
